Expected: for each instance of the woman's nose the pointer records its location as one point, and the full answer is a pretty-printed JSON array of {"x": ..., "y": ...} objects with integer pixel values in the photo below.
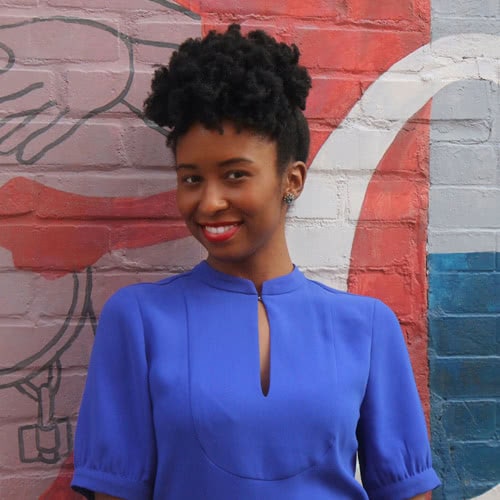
[{"x": 212, "y": 199}]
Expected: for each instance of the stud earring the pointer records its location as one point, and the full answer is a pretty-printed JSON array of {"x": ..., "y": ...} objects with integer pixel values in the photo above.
[{"x": 289, "y": 198}]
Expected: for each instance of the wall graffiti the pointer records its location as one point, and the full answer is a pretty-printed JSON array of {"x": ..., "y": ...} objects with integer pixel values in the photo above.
[
  {"x": 29, "y": 145},
  {"x": 38, "y": 376},
  {"x": 70, "y": 234},
  {"x": 45, "y": 251}
]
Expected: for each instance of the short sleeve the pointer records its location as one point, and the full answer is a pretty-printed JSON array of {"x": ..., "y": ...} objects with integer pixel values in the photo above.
[
  {"x": 394, "y": 452},
  {"x": 114, "y": 445}
]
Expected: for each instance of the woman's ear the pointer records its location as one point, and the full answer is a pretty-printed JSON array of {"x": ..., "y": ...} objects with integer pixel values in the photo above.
[{"x": 295, "y": 178}]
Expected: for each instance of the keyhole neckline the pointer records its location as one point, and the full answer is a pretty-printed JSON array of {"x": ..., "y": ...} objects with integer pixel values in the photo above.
[{"x": 275, "y": 286}]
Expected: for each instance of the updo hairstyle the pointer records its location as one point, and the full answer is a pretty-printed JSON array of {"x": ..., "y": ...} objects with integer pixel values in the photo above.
[{"x": 252, "y": 81}]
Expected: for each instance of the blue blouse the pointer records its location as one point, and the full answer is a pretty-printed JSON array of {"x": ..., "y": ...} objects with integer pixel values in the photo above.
[{"x": 173, "y": 406}]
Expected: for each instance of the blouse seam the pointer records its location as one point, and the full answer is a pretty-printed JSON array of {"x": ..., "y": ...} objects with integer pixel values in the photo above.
[
  {"x": 171, "y": 279},
  {"x": 372, "y": 320},
  {"x": 83, "y": 468},
  {"x": 139, "y": 307},
  {"x": 399, "y": 481},
  {"x": 146, "y": 357}
]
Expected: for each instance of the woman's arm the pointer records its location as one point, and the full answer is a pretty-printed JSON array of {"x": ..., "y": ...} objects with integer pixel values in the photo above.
[
  {"x": 418, "y": 497},
  {"x": 103, "y": 496}
]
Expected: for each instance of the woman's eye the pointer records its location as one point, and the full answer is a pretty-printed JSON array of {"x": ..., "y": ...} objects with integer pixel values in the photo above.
[
  {"x": 191, "y": 179},
  {"x": 235, "y": 175}
]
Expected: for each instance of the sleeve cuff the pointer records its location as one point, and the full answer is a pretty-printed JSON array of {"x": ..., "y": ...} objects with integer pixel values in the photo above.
[
  {"x": 87, "y": 481},
  {"x": 407, "y": 488}
]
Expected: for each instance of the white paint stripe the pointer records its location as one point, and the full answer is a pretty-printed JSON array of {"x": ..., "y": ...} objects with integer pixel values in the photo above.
[
  {"x": 362, "y": 139},
  {"x": 493, "y": 494}
]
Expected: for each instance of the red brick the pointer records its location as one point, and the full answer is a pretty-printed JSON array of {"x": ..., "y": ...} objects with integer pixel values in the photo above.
[
  {"x": 393, "y": 289},
  {"x": 55, "y": 204},
  {"x": 297, "y": 8},
  {"x": 59, "y": 248},
  {"x": 355, "y": 50},
  {"x": 17, "y": 197},
  {"x": 145, "y": 233},
  {"x": 332, "y": 98},
  {"x": 422, "y": 9},
  {"x": 387, "y": 10},
  {"x": 219, "y": 23},
  {"x": 319, "y": 134},
  {"x": 391, "y": 200},
  {"x": 409, "y": 153},
  {"x": 384, "y": 247}
]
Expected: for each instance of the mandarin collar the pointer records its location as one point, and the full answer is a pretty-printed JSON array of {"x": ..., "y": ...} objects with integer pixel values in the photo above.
[{"x": 275, "y": 286}]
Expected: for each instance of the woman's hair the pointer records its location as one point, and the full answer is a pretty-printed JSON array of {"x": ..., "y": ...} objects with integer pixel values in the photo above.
[{"x": 252, "y": 81}]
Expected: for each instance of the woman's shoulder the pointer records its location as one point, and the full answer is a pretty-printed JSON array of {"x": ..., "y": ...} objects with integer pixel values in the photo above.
[
  {"x": 147, "y": 292},
  {"x": 350, "y": 305},
  {"x": 338, "y": 296}
]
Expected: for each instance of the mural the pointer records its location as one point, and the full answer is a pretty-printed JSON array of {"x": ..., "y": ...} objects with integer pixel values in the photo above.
[
  {"x": 70, "y": 125},
  {"x": 51, "y": 238}
]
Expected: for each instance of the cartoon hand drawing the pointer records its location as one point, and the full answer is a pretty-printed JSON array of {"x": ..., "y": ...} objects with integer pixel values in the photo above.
[
  {"x": 45, "y": 100},
  {"x": 36, "y": 115}
]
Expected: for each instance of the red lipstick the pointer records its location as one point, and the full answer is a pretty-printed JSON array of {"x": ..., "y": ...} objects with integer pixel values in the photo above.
[{"x": 220, "y": 232}]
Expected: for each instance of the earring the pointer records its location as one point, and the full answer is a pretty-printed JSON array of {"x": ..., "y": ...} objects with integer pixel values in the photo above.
[{"x": 289, "y": 198}]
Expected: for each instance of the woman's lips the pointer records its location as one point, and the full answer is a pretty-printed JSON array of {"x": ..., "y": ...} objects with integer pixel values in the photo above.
[{"x": 220, "y": 232}]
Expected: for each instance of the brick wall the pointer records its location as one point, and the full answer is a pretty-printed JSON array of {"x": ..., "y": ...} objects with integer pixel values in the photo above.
[
  {"x": 464, "y": 267},
  {"x": 87, "y": 202}
]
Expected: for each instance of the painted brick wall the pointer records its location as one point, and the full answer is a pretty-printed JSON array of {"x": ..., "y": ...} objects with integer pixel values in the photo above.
[
  {"x": 464, "y": 266},
  {"x": 87, "y": 202}
]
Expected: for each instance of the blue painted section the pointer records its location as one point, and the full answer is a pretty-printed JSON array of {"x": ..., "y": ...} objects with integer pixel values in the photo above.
[{"x": 464, "y": 357}]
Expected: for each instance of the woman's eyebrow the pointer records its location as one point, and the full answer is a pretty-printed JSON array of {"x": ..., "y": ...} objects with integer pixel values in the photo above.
[
  {"x": 224, "y": 163},
  {"x": 232, "y": 161},
  {"x": 182, "y": 166}
]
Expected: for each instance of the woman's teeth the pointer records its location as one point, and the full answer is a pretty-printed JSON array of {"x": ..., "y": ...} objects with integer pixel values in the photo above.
[{"x": 218, "y": 229}]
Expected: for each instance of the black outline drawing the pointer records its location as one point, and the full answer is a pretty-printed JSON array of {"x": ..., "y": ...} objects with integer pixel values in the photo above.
[
  {"x": 47, "y": 361},
  {"x": 30, "y": 114},
  {"x": 39, "y": 375}
]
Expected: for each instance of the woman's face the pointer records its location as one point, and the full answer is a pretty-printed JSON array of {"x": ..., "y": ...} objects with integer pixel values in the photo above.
[{"x": 230, "y": 195}]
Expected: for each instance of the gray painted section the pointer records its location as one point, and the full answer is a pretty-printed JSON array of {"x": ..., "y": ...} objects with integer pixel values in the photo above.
[
  {"x": 465, "y": 207},
  {"x": 465, "y": 8},
  {"x": 464, "y": 241},
  {"x": 459, "y": 164},
  {"x": 465, "y": 143}
]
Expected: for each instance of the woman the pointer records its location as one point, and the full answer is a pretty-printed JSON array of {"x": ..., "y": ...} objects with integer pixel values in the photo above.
[{"x": 242, "y": 379}]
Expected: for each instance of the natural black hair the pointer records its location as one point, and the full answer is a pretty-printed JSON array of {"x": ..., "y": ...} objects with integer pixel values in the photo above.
[{"x": 252, "y": 81}]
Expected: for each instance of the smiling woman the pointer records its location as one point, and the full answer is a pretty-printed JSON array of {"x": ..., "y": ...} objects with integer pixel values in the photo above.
[
  {"x": 242, "y": 378},
  {"x": 230, "y": 194}
]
